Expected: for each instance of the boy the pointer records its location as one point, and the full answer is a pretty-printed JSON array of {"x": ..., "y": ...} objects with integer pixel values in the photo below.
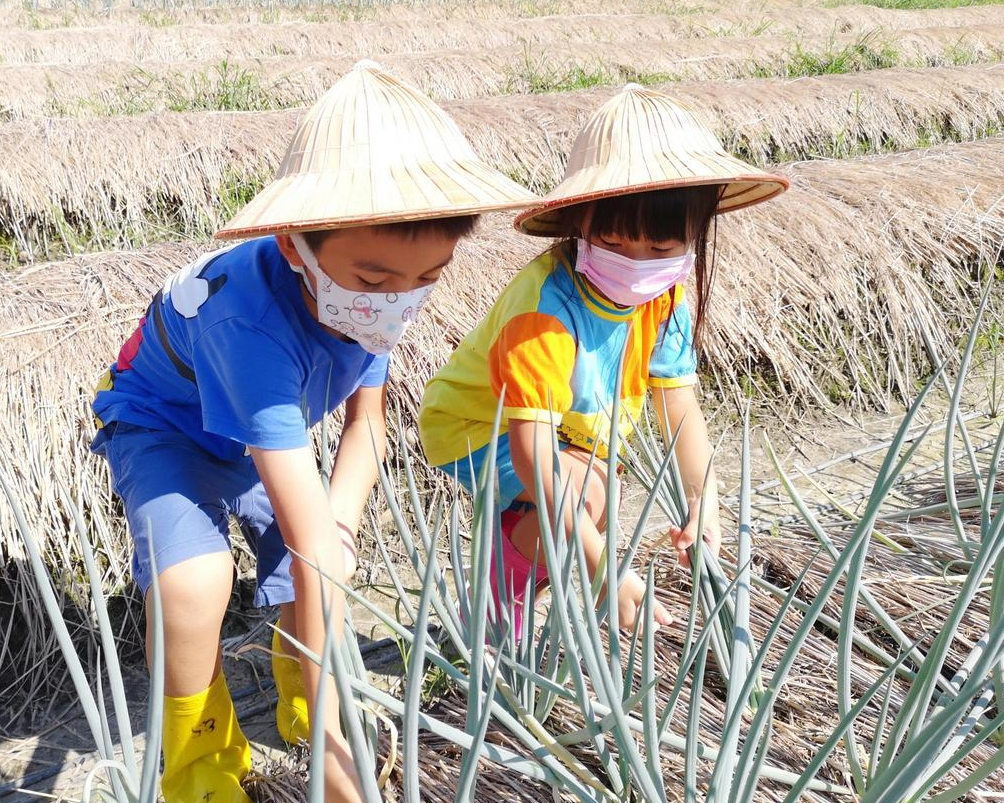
[{"x": 205, "y": 414}]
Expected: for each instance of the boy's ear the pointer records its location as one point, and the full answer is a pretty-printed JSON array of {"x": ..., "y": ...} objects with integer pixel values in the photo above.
[{"x": 286, "y": 248}]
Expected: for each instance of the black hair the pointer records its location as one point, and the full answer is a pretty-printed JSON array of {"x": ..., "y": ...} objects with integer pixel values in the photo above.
[
  {"x": 683, "y": 214},
  {"x": 458, "y": 226}
]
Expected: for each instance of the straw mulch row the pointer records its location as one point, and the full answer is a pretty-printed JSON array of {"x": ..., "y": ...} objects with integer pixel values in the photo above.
[
  {"x": 223, "y": 81},
  {"x": 170, "y": 170},
  {"x": 696, "y": 19},
  {"x": 127, "y": 13},
  {"x": 415, "y": 33},
  {"x": 260, "y": 40},
  {"x": 820, "y": 293}
]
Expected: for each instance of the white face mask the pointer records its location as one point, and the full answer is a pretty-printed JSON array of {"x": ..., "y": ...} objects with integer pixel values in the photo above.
[{"x": 376, "y": 321}]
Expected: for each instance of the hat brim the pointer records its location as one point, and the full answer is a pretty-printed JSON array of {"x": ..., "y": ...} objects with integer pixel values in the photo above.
[
  {"x": 742, "y": 191},
  {"x": 344, "y": 199}
]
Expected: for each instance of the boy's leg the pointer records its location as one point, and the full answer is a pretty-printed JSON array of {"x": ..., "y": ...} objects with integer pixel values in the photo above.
[
  {"x": 275, "y": 587},
  {"x": 194, "y": 597},
  {"x": 172, "y": 492},
  {"x": 205, "y": 754}
]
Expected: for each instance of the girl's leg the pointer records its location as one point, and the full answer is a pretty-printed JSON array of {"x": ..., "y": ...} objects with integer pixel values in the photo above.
[
  {"x": 591, "y": 482},
  {"x": 521, "y": 532},
  {"x": 205, "y": 754}
]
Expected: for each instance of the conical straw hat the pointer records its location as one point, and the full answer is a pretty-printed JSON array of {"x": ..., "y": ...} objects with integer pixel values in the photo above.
[
  {"x": 640, "y": 140},
  {"x": 374, "y": 150}
]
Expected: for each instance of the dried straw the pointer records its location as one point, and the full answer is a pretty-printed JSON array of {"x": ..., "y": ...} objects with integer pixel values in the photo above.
[
  {"x": 262, "y": 40},
  {"x": 708, "y": 18},
  {"x": 66, "y": 15},
  {"x": 171, "y": 169},
  {"x": 285, "y": 780},
  {"x": 145, "y": 84},
  {"x": 818, "y": 286},
  {"x": 419, "y": 33}
]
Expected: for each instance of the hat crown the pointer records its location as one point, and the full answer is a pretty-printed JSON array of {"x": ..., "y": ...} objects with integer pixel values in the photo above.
[
  {"x": 367, "y": 117},
  {"x": 635, "y": 127},
  {"x": 638, "y": 141},
  {"x": 374, "y": 150}
]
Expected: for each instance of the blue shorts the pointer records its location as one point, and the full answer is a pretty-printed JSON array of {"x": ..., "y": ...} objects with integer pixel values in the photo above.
[
  {"x": 180, "y": 499},
  {"x": 468, "y": 470}
]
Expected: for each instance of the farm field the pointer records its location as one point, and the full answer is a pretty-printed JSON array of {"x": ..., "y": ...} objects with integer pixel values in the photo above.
[{"x": 130, "y": 133}]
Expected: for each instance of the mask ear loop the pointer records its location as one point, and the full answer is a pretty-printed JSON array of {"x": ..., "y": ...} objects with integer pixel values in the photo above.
[{"x": 309, "y": 261}]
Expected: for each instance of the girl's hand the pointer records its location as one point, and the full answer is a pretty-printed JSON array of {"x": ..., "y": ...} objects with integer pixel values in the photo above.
[
  {"x": 631, "y": 597},
  {"x": 684, "y": 538}
]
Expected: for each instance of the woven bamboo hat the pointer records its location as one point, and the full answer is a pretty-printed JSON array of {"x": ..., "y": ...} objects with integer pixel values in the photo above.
[
  {"x": 374, "y": 150},
  {"x": 640, "y": 140}
]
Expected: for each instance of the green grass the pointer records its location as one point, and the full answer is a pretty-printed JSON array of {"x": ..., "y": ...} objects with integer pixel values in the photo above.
[
  {"x": 534, "y": 75},
  {"x": 235, "y": 193},
  {"x": 225, "y": 88},
  {"x": 10, "y": 254},
  {"x": 870, "y": 52},
  {"x": 222, "y": 87}
]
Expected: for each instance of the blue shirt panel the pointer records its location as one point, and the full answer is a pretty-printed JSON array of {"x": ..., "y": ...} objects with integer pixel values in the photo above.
[{"x": 229, "y": 354}]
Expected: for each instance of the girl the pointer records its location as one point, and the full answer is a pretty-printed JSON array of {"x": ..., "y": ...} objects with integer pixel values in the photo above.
[{"x": 632, "y": 218}]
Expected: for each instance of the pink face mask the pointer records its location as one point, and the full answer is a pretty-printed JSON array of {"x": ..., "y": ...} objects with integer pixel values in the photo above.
[{"x": 630, "y": 282}]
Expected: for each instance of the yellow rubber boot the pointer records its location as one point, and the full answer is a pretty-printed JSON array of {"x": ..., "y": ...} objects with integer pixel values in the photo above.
[
  {"x": 206, "y": 756},
  {"x": 291, "y": 715}
]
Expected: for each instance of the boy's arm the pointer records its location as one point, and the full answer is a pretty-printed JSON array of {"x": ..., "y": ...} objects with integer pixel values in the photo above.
[
  {"x": 678, "y": 409},
  {"x": 301, "y": 507},
  {"x": 361, "y": 448}
]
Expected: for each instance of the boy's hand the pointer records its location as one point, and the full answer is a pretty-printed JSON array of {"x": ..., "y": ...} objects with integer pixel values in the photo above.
[
  {"x": 341, "y": 783},
  {"x": 631, "y": 598},
  {"x": 686, "y": 537}
]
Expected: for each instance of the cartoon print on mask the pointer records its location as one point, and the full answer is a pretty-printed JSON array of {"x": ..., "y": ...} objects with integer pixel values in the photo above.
[
  {"x": 189, "y": 289},
  {"x": 380, "y": 342},
  {"x": 363, "y": 312},
  {"x": 408, "y": 315}
]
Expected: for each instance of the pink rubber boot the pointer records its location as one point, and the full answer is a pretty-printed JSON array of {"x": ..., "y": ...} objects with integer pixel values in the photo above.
[{"x": 516, "y": 568}]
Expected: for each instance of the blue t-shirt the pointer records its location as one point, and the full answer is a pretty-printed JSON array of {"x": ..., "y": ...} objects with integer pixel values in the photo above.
[{"x": 229, "y": 354}]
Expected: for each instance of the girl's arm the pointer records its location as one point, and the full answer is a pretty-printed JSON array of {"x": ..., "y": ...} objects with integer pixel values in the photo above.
[
  {"x": 361, "y": 449},
  {"x": 678, "y": 409}
]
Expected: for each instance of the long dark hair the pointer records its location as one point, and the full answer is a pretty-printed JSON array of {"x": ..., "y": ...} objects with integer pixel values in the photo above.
[{"x": 684, "y": 214}]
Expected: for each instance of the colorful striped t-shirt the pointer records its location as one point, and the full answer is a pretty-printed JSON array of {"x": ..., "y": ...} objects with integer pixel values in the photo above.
[{"x": 554, "y": 344}]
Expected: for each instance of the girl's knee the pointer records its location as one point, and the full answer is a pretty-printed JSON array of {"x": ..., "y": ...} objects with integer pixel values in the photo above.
[{"x": 590, "y": 479}]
